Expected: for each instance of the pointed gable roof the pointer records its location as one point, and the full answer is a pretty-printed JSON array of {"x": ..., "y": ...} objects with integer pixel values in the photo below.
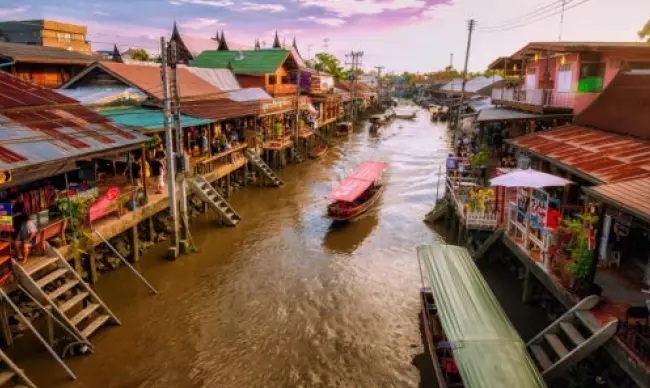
[
  {"x": 223, "y": 45},
  {"x": 216, "y": 38},
  {"x": 257, "y": 44},
  {"x": 276, "y": 41},
  {"x": 117, "y": 57},
  {"x": 262, "y": 61},
  {"x": 295, "y": 46}
]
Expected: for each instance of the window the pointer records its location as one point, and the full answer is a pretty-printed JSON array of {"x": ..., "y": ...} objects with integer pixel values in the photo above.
[
  {"x": 273, "y": 79},
  {"x": 63, "y": 36},
  {"x": 284, "y": 80},
  {"x": 591, "y": 77}
]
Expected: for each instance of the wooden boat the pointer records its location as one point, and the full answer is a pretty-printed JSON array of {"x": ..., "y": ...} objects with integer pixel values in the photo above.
[
  {"x": 357, "y": 193},
  {"x": 317, "y": 151},
  {"x": 377, "y": 119},
  {"x": 469, "y": 338},
  {"x": 405, "y": 115},
  {"x": 344, "y": 129}
]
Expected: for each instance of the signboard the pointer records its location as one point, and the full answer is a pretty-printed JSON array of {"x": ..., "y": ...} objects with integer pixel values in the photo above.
[
  {"x": 6, "y": 219},
  {"x": 277, "y": 105},
  {"x": 539, "y": 208}
]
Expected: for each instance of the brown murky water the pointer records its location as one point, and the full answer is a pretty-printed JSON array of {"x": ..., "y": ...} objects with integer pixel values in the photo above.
[{"x": 284, "y": 299}]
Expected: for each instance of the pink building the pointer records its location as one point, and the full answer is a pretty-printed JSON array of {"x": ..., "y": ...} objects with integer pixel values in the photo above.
[{"x": 564, "y": 76}]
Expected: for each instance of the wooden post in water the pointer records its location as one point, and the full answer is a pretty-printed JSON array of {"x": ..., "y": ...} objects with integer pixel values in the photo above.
[
  {"x": 528, "y": 286},
  {"x": 92, "y": 261},
  {"x": 7, "y": 336},
  {"x": 135, "y": 243}
]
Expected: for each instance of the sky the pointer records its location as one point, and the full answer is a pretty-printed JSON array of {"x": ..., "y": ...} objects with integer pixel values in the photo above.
[{"x": 400, "y": 35}]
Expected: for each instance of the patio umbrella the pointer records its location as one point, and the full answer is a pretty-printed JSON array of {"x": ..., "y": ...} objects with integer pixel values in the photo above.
[{"x": 528, "y": 178}]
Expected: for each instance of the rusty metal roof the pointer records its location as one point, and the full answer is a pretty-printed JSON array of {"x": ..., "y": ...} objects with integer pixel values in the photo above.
[
  {"x": 39, "y": 54},
  {"x": 221, "y": 109},
  {"x": 630, "y": 196},
  {"x": 601, "y": 157},
  {"x": 38, "y": 126}
]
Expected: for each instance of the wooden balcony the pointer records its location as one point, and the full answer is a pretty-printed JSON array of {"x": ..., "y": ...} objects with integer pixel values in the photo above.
[
  {"x": 539, "y": 100},
  {"x": 281, "y": 89}
]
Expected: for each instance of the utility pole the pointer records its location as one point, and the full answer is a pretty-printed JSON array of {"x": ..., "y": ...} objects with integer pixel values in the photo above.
[
  {"x": 309, "y": 51},
  {"x": 451, "y": 60},
  {"x": 179, "y": 149},
  {"x": 379, "y": 85},
  {"x": 326, "y": 43},
  {"x": 471, "y": 25},
  {"x": 171, "y": 187},
  {"x": 296, "y": 126},
  {"x": 354, "y": 58}
]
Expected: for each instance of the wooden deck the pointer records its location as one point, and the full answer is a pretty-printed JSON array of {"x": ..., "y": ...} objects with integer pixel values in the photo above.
[{"x": 277, "y": 145}]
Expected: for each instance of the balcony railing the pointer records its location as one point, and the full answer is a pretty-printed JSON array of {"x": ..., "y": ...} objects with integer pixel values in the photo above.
[
  {"x": 278, "y": 89},
  {"x": 548, "y": 98}
]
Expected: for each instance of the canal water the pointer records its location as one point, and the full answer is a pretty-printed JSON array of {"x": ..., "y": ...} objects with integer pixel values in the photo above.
[{"x": 285, "y": 299}]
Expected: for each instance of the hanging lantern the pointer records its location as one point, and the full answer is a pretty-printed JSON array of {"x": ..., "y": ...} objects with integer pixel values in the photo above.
[
  {"x": 536, "y": 57},
  {"x": 563, "y": 60}
]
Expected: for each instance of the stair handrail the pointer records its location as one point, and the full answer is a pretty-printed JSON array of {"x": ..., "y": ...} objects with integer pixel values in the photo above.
[
  {"x": 125, "y": 261},
  {"x": 587, "y": 303},
  {"x": 5, "y": 359}
]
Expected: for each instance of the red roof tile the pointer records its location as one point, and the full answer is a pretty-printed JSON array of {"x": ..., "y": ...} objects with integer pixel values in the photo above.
[{"x": 603, "y": 156}]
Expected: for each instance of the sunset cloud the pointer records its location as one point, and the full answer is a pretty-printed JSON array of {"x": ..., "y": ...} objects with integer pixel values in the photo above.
[
  {"x": 332, "y": 22},
  {"x": 13, "y": 11},
  {"x": 201, "y": 23},
  {"x": 260, "y": 7},
  {"x": 347, "y": 8}
]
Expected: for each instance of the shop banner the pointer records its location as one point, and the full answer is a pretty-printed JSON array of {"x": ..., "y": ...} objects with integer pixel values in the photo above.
[{"x": 6, "y": 219}]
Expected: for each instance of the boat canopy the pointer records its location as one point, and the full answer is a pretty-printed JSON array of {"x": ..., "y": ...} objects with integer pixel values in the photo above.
[
  {"x": 487, "y": 349},
  {"x": 356, "y": 183}
]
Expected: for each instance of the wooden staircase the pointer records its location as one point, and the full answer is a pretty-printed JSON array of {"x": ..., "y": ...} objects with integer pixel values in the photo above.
[
  {"x": 571, "y": 338},
  {"x": 215, "y": 201},
  {"x": 55, "y": 284},
  {"x": 11, "y": 375},
  {"x": 266, "y": 170}
]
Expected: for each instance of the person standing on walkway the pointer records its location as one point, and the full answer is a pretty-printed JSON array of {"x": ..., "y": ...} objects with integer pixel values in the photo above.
[{"x": 157, "y": 166}]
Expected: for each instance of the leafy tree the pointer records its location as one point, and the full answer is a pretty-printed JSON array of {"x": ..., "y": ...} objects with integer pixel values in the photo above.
[
  {"x": 140, "y": 55},
  {"x": 357, "y": 73},
  {"x": 328, "y": 63},
  {"x": 645, "y": 32}
]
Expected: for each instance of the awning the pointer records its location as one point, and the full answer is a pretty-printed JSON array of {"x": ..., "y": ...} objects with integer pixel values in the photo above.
[
  {"x": 148, "y": 119},
  {"x": 629, "y": 196},
  {"x": 356, "y": 183},
  {"x": 493, "y": 114},
  {"x": 487, "y": 349}
]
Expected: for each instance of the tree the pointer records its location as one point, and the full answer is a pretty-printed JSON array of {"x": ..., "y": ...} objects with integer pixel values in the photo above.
[
  {"x": 644, "y": 34},
  {"x": 328, "y": 63},
  {"x": 140, "y": 55},
  {"x": 357, "y": 73}
]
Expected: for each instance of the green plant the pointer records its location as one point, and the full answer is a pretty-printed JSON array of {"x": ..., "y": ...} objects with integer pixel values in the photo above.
[
  {"x": 153, "y": 142},
  {"x": 76, "y": 209},
  {"x": 579, "y": 245},
  {"x": 482, "y": 158}
]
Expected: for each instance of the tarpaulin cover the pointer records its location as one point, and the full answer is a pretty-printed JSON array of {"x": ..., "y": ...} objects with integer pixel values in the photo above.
[
  {"x": 487, "y": 349},
  {"x": 357, "y": 182}
]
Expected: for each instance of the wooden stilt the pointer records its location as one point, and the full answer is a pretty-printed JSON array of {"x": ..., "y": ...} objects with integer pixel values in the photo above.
[
  {"x": 528, "y": 286},
  {"x": 228, "y": 186},
  {"x": 50, "y": 329},
  {"x": 152, "y": 229},
  {"x": 135, "y": 243},
  {"x": 92, "y": 264}
]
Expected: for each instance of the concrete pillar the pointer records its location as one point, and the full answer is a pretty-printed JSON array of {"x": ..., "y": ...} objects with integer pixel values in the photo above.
[
  {"x": 92, "y": 261},
  {"x": 527, "y": 293},
  {"x": 135, "y": 243}
]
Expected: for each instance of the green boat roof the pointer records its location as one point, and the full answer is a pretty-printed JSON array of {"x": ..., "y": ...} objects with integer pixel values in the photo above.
[
  {"x": 261, "y": 61},
  {"x": 488, "y": 350},
  {"x": 148, "y": 119}
]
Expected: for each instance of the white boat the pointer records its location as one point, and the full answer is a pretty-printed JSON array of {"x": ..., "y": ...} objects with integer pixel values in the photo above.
[{"x": 408, "y": 114}]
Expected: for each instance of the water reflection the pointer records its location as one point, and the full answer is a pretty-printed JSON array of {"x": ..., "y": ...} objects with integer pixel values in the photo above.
[{"x": 346, "y": 237}]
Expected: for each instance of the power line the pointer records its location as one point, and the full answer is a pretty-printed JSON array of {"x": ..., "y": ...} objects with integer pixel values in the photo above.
[
  {"x": 535, "y": 12},
  {"x": 544, "y": 17}
]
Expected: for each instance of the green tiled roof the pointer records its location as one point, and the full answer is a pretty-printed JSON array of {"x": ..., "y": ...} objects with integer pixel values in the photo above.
[
  {"x": 254, "y": 61},
  {"x": 149, "y": 119}
]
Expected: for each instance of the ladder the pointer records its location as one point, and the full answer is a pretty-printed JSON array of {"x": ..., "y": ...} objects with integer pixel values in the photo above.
[
  {"x": 266, "y": 170},
  {"x": 217, "y": 203},
  {"x": 571, "y": 338},
  {"x": 53, "y": 282},
  {"x": 11, "y": 373}
]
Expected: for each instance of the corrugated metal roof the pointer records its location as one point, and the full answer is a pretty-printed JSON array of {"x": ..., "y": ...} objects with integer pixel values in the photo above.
[
  {"x": 252, "y": 61},
  {"x": 42, "y": 133},
  {"x": 604, "y": 157},
  {"x": 473, "y": 85},
  {"x": 41, "y": 54},
  {"x": 94, "y": 95},
  {"x": 623, "y": 107},
  {"x": 631, "y": 196},
  {"x": 149, "y": 119},
  {"x": 147, "y": 78},
  {"x": 221, "y": 109},
  {"x": 249, "y": 94},
  {"x": 223, "y": 79},
  {"x": 491, "y": 113}
]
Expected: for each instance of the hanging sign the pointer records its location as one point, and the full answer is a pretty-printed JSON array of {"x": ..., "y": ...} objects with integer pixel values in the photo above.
[
  {"x": 6, "y": 219},
  {"x": 539, "y": 208}
]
